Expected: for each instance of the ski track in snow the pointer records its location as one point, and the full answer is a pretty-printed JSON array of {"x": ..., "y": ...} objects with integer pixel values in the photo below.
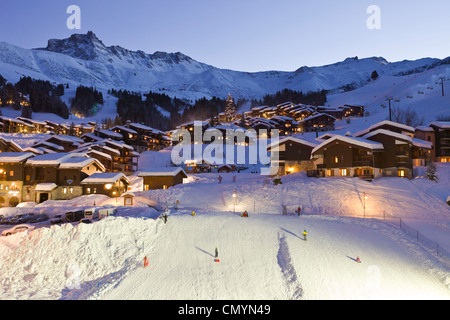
[{"x": 293, "y": 288}]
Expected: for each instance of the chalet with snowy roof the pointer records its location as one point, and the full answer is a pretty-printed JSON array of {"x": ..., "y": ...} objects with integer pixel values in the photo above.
[
  {"x": 10, "y": 125},
  {"x": 291, "y": 155},
  {"x": 59, "y": 143},
  {"x": 348, "y": 157},
  {"x": 401, "y": 152},
  {"x": 337, "y": 113},
  {"x": 162, "y": 178},
  {"x": 114, "y": 155},
  {"x": 378, "y": 153},
  {"x": 7, "y": 145},
  {"x": 286, "y": 125},
  {"x": 442, "y": 140},
  {"x": 12, "y": 177},
  {"x": 129, "y": 135},
  {"x": 353, "y": 111},
  {"x": 107, "y": 134},
  {"x": 317, "y": 123},
  {"x": 111, "y": 184},
  {"x": 57, "y": 176},
  {"x": 39, "y": 126},
  {"x": 148, "y": 139}
]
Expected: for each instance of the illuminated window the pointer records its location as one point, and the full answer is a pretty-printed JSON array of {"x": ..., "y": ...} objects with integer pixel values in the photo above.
[
  {"x": 88, "y": 190},
  {"x": 11, "y": 173},
  {"x": 336, "y": 159},
  {"x": 401, "y": 173},
  {"x": 343, "y": 172},
  {"x": 64, "y": 190}
]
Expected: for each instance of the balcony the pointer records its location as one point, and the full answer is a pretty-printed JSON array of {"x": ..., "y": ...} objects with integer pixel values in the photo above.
[
  {"x": 366, "y": 163},
  {"x": 402, "y": 153}
]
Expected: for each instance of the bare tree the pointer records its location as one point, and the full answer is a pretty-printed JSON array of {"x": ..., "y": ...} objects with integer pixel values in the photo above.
[{"x": 407, "y": 117}]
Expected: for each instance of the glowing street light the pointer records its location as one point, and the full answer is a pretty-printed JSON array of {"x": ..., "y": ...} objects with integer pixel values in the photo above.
[{"x": 364, "y": 204}]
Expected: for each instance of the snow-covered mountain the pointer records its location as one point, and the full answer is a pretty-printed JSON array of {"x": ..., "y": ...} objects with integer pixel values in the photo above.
[{"x": 85, "y": 59}]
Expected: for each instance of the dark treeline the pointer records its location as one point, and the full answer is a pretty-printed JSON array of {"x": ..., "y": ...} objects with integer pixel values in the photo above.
[
  {"x": 204, "y": 109},
  {"x": 132, "y": 107},
  {"x": 43, "y": 96},
  {"x": 87, "y": 102},
  {"x": 316, "y": 98}
]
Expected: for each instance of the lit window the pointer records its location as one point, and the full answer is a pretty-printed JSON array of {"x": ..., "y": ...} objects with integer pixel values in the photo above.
[
  {"x": 336, "y": 159},
  {"x": 11, "y": 173},
  {"x": 88, "y": 190},
  {"x": 70, "y": 190},
  {"x": 64, "y": 190}
]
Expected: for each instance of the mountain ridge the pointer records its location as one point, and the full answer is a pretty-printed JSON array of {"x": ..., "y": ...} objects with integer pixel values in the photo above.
[{"x": 85, "y": 59}]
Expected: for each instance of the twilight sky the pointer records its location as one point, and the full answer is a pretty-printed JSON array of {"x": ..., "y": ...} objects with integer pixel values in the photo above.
[{"x": 243, "y": 35}]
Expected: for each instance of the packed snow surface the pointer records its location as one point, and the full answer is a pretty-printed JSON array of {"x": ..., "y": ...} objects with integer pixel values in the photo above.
[{"x": 264, "y": 256}]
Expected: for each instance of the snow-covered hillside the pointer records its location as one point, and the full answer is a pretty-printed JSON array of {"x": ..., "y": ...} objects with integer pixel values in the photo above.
[{"x": 84, "y": 59}]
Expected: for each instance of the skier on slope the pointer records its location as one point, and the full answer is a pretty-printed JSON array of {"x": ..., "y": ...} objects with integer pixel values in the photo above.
[
  {"x": 193, "y": 213},
  {"x": 216, "y": 259},
  {"x": 245, "y": 214},
  {"x": 220, "y": 179},
  {"x": 304, "y": 235},
  {"x": 299, "y": 211}
]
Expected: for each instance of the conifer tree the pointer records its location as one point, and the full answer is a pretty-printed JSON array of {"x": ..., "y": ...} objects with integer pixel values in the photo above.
[
  {"x": 431, "y": 172},
  {"x": 230, "y": 109}
]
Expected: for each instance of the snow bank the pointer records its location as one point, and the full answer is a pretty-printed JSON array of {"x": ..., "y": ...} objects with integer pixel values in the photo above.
[{"x": 80, "y": 257}]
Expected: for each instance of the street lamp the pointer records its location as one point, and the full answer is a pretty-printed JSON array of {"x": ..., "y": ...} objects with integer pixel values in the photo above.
[{"x": 235, "y": 199}]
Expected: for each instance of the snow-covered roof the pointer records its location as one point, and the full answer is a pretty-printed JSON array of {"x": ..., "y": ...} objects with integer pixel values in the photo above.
[
  {"x": 388, "y": 133},
  {"x": 53, "y": 159},
  {"x": 79, "y": 163},
  {"x": 414, "y": 141},
  {"x": 316, "y": 116},
  {"x": 361, "y": 142},
  {"x": 382, "y": 123},
  {"x": 99, "y": 153},
  {"x": 425, "y": 129},
  {"x": 163, "y": 171},
  {"x": 422, "y": 143},
  {"x": 125, "y": 129},
  {"x": 50, "y": 145},
  {"x": 46, "y": 187},
  {"x": 441, "y": 124},
  {"x": 296, "y": 140},
  {"x": 14, "y": 157},
  {"x": 102, "y": 178},
  {"x": 109, "y": 133},
  {"x": 118, "y": 144}
]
